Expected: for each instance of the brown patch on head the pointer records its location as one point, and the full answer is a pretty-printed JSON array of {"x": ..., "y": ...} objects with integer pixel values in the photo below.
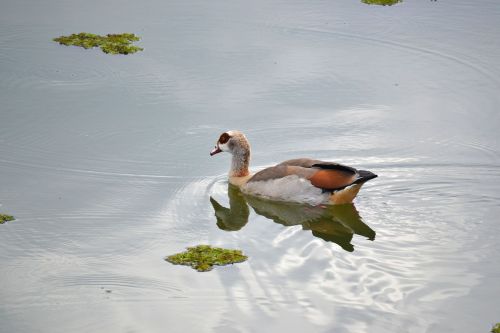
[{"x": 224, "y": 138}]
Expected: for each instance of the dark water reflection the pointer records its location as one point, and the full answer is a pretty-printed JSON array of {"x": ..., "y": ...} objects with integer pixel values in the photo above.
[{"x": 337, "y": 224}]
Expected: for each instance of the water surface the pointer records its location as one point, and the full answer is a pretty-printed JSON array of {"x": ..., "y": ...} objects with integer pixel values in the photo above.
[{"x": 104, "y": 162}]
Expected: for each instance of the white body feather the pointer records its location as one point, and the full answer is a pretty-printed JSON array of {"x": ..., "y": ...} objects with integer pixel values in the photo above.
[{"x": 290, "y": 188}]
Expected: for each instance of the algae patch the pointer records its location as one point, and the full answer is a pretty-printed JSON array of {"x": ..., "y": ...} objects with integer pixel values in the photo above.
[
  {"x": 111, "y": 43},
  {"x": 496, "y": 328},
  {"x": 204, "y": 257},
  {"x": 381, "y": 2},
  {"x": 5, "y": 218}
]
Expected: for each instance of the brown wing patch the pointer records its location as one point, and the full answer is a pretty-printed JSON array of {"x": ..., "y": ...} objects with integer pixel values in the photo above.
[{"x": 332, "y": 179}]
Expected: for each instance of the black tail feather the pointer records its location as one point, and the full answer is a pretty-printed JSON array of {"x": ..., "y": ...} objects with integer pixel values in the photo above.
[{"x": 365, "y": 176}]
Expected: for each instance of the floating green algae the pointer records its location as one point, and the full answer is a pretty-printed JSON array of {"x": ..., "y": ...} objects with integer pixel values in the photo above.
[
  {"x": 496, "y": 328},
  {"x": 5, "y": 218},
  {"x": 381, "y": 2},
  {"x": 111, "y": 43},
  {"x": 204, "y": 257}
]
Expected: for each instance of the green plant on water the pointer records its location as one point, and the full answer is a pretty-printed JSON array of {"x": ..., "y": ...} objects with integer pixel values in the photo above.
[
  {"x": 111, "y": 43},
  {"x": 204, "y": 257},
  {"x": 496, "y": 328},
  {"x": 5, "y": 218},
  {"x": 381, "y": 2}
]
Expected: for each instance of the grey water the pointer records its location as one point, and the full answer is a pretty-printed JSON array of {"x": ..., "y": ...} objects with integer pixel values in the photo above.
[{"x": 104, "y": 161}]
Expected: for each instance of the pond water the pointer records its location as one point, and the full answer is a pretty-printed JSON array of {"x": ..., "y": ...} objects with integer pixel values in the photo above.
[{"x": 104, "y": 161}]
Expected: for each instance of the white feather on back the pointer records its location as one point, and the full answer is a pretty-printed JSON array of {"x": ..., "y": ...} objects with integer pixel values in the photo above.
[{"x": 290, "y": 188}]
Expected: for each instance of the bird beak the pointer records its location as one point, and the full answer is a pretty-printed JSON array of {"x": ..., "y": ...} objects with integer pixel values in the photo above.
[{"x": 215, "y": 151}]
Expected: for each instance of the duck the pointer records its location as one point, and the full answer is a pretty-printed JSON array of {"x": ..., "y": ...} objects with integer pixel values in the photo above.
[{"x": 301, "y": 180}]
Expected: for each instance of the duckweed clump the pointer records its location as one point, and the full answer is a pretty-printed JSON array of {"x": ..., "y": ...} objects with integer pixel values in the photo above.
[
  {"x": 496, "y": 328},
  {"x": 111, "y": 43},
  {"x": 5, "y": 218},
  {"x": 204, "y": 257},
  {"x": 381, "y": 2}
]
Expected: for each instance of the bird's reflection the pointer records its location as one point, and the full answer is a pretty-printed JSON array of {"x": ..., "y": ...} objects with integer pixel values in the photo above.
[{"x": 337, "y": 223}]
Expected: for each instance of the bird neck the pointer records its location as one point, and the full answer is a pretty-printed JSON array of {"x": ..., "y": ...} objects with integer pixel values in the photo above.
[{"x": 239, "y": 163}]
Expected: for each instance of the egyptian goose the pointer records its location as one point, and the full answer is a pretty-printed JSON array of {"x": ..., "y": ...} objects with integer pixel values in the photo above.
[{"x": 299, "y": 180}]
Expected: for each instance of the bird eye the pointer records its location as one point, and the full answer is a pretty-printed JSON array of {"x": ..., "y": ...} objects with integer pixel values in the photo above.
[{"x": 224, "y": 138}]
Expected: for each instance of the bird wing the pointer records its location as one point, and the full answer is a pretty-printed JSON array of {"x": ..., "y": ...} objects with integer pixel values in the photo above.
[{"x": 328, "y": 176}]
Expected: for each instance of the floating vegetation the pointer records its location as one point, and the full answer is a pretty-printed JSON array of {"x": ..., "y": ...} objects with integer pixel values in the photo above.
[
  {"x": 381, "y": 2},
  {"x": 111, "y": 43},
  {"x": 204, "y": 257},
  {"x": 496, "y": 328},
  {"x": 5, "y": 218}
]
